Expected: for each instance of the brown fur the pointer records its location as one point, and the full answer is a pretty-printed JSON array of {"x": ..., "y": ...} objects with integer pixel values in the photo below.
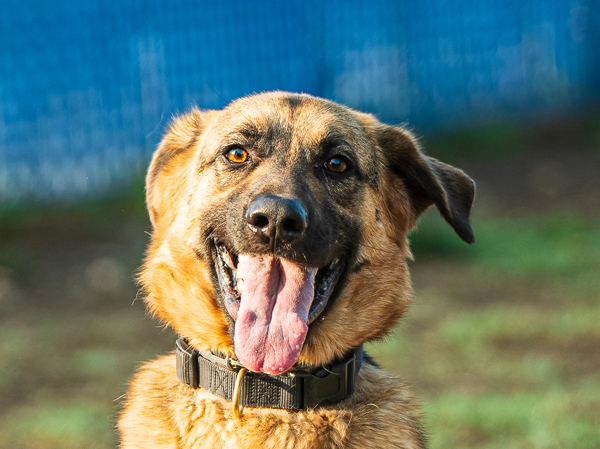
[{"x": 189, "y": 190}]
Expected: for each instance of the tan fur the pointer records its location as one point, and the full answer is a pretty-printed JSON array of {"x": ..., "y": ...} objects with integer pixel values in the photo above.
[{"x": 183, "y": 185}]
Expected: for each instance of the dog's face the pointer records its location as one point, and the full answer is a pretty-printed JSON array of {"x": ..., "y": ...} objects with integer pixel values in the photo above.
[{"x": 279, "y": 227}]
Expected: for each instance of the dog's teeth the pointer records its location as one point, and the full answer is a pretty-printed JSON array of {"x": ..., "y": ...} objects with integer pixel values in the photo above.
[
  {"x": 239, "y": 279},
  {"x": 227, "y": 259}
]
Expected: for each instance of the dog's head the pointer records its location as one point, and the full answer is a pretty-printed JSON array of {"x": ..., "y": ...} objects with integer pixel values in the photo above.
[{"x": 280, "y": 223}]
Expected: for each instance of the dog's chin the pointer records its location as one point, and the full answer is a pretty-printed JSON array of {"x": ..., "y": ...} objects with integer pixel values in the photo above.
[{"x": 274, "y": 314}]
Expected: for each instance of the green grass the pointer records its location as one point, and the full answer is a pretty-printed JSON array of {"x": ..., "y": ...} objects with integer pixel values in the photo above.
[
  {"x": 62, "y": 374},
  {"x": 485, "y": 143},
  {"x": 539, "y": 245},
  {"x": 501, "y": 375},
  {"x": 526, "y": 322},
  {"x": 502, "y": 340},
  {"x": 121, "y": 203},
  {"x": 554, "y": 420},
  {"x": 588, "y": 128},
  {"x": 52, "y": 423},
  {"x": 562, "y": 244}
]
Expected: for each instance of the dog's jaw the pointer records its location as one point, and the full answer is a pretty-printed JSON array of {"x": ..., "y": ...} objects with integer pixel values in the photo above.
[{"x": 271, "y": 304}]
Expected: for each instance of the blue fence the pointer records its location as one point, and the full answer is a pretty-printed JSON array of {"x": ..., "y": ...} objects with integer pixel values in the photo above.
[{"x": 88, "y": 86}]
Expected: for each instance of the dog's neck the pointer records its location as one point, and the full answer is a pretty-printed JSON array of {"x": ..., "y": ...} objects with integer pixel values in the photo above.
[{"x": 293, "y": 390}]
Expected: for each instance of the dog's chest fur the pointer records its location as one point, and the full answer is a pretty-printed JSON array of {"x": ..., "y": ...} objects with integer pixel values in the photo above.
[{"x": 370, "y": 418}]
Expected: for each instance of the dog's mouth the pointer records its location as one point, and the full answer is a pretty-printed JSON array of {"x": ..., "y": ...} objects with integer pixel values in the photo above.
[{"x": 272, "y": 302}]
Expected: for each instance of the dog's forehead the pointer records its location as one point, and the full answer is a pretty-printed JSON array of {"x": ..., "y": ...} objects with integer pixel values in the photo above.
[{"x": 301, "y": 120}]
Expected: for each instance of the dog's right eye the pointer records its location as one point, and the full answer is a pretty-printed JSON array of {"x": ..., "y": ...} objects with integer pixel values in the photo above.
[
  {"x": 337, "y": 164},
  {"x": 237, "y": 155}
]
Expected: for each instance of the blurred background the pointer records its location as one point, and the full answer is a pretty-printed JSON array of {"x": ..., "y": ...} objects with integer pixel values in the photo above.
[{"x": 503, "y": 341}]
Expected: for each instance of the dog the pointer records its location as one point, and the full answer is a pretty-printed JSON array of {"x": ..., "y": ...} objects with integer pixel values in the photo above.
[{"x": 278, "y": 248}]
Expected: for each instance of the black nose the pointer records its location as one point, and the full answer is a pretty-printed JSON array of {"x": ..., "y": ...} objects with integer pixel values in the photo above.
[{"x": 277, "y": 219}]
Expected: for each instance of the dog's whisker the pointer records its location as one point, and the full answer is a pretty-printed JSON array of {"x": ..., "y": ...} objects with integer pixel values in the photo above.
[
  {"x": 137, "y": 295},
  {"x": 350, "y": 420},
  {"x": 214, "y": 90},
  {"x": 371, "y": 271},
  {"x": 379, "y": 249}
]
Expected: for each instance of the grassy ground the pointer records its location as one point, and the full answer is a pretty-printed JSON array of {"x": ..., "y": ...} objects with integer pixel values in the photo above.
[{"x": 501, "y": 343}]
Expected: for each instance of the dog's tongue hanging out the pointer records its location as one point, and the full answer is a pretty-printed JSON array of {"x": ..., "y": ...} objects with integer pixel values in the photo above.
[{"x": 271, "y": 323}]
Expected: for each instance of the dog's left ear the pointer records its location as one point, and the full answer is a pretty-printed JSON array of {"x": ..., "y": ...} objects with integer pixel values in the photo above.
[{"x": 429, "y": 181}]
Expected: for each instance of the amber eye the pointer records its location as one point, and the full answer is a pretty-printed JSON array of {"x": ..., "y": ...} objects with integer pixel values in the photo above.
[
  {"x": 337, "y": 164},
  {"x": 237, "y": 155}
]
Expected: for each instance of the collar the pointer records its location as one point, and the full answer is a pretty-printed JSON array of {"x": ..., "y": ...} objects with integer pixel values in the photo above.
[{"x": 293, "y": 390}]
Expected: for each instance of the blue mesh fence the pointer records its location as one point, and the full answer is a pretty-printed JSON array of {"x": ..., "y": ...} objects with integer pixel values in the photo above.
[{"x": 88, "y": 86}]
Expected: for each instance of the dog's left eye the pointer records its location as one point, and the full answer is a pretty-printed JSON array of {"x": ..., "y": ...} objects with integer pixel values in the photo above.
[
  {"x": 337, "y": 164},
  {"x": 237, "y": 155}
]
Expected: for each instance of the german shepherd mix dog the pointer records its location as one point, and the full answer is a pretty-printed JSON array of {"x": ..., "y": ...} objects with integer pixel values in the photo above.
[{"x": 278, "y": 248}]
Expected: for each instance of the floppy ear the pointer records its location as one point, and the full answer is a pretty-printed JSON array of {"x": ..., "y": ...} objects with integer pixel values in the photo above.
[
  {"x": 429, "y": 181},
  {"x": 166, "y": 174}
]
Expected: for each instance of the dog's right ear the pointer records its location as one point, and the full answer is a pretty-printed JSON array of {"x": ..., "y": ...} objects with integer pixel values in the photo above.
[
  {"x": 166, "y": 174},
  {"x": 429, "y": 181}
]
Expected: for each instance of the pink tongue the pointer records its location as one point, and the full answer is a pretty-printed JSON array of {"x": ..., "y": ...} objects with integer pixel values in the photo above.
[{"x": 271, "y": 323}]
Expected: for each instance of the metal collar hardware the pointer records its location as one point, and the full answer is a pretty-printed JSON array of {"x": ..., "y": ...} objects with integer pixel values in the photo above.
[{"x": 237, "y": 408}]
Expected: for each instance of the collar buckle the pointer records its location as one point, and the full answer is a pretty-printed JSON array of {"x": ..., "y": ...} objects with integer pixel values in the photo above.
[{"x": 329, "y": 385}]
